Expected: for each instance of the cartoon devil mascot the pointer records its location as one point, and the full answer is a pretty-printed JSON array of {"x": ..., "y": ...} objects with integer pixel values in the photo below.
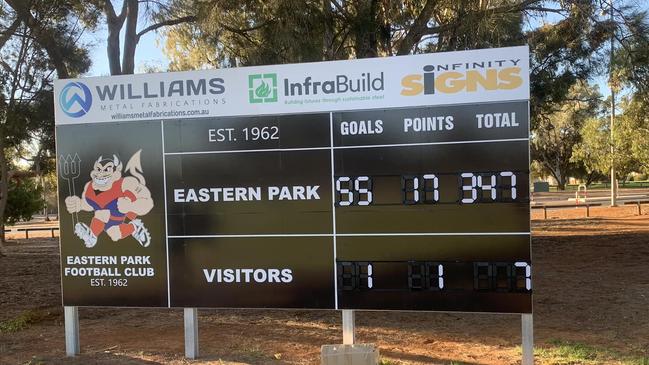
[{"x": 117, "y": 202}]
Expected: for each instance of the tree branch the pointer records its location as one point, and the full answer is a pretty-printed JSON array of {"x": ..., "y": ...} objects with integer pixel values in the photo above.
[
  {"x": 43, "y": 35},
  {"x": 242, "y": 31},
  {"x": 10, "y": 31},
  {"x": 417, "y": 29},
  {"x": 170, "y": 22}
]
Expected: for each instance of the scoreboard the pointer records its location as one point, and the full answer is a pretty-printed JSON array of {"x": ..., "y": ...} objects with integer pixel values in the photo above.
[{"x": 363, "y": 184}]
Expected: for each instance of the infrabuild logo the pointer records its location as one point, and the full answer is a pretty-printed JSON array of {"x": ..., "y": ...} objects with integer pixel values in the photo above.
[
  {"x": 262, "y": 88},
  {"x": 75, "y": 99}
]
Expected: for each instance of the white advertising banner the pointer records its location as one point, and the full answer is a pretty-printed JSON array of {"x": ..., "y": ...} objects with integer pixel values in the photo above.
[{"x": 465, "y": 77}]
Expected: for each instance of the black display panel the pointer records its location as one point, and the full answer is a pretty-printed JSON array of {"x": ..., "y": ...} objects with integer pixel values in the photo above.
[{"x": 395, "y": 209}]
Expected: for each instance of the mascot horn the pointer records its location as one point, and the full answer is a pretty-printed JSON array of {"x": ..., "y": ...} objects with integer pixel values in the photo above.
[{"x": 134, "y": 167}]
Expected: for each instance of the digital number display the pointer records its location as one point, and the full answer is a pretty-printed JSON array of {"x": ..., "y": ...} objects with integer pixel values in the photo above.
[
  {"x": 424, "y": 189},
  {"x": 427, "y": 275}
]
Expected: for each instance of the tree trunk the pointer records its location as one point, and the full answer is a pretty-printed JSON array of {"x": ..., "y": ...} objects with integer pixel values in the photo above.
[
  {"x": 45, "y": 211},
  {"x": 4, "y": 190},
  {"x": 417, "y": 29},
  {"x": 2, "y": 239},
  {"x": 130, "y": 38},
  {"x": 115, "y": 23},
  {"x": 366, "y": 29},
  {"x": 556, "y": 172},
  {"x": 112, "y": 48},
  {"x": 41, "y": 180},
  {"x": 328, "y": 36}
]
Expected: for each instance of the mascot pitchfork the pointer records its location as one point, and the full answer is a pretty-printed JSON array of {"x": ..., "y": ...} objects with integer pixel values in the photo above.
[{"x": 117, "y": 202}]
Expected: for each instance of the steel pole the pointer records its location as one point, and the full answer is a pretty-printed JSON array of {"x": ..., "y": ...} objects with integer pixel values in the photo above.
[
  {"x": 612, "y": 86},
  {"x": 528, "y": 339},
  {"x": 349, "y": 327}
]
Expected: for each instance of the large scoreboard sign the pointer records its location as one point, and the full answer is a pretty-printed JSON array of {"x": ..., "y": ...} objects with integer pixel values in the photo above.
[{"x": 397, "y": 183}]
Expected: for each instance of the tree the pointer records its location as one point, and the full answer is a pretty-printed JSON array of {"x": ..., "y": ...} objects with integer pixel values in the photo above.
[
  {"x": 594, "y": 151},
  {"x": 636, "y": 121},
  {"x": 157, "y": 14},
  {"x": 25, "y": 199},
  {"x": 50, "y": 25},
  {"x": 630, "y": 61},
  {"x": 558, "y": 132},
  {"x": 628, "y": 70},
  {"x": 38, "y": 41},
  {"x": 38, "y": 150},
  {"x": 252, "y": 32}
]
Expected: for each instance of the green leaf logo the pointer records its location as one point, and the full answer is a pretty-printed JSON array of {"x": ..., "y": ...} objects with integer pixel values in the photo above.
[{"x": 263, "y": 90}]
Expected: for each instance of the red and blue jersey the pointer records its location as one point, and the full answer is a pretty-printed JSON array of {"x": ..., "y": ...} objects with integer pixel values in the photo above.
[{"x": 101, "y": 200}]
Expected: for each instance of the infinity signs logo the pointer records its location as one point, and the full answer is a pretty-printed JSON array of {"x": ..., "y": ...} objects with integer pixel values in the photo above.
[{"x": 75, "y": 99}]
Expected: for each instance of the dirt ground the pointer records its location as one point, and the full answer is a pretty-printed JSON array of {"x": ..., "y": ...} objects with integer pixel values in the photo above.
[{"x": 591, "y": 294}]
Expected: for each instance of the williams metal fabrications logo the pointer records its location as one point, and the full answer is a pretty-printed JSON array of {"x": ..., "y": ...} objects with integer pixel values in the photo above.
[
  {"x": 262, "y": 88},
  {"x": 75, "y": 99}
]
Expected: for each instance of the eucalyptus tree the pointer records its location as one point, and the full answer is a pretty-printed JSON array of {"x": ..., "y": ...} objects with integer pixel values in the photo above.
[
  {"x": 559, "y": 131},
  {"x": 39, "y": 40},
  {"x": 130, "y": 20}
]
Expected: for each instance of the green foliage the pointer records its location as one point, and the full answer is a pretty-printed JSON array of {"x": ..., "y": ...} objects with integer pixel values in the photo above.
[
  {"x": 50, "y": 182},
  {"x": 635, "y": 122},
  {"x": 254, "y": 32},
  {"x": 25, "y": 199},
  {"x": 384, "y": 361},
  {"x": 630, "y": 141},
  {"x": 14, "y": 324},
  {"x": 559, "y": 131},
  {"x": 568, "y": 352},
  {"x": 23, "y": 320},
  {"x": 631, "y": 57},
  {"x": 477, "y": 25},
  {"x": 564, "y": 54},
  {"x": 241, "y": 33}
]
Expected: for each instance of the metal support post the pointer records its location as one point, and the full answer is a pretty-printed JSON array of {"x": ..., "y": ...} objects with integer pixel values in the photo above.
[
  {"x": 612, "y": 126},
  {"x": 528, "y": 339},
  {"x": 349, "y": 327},
  {"x": 191, "y": 333},
  {"x": 71, "y": 315}
]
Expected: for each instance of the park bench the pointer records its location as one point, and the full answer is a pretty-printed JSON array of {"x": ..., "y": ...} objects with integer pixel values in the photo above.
[
  {"x": 545, "y": 207},
  {"x": 26, "y": 230},
  {"x": 638, "y": 203}
]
